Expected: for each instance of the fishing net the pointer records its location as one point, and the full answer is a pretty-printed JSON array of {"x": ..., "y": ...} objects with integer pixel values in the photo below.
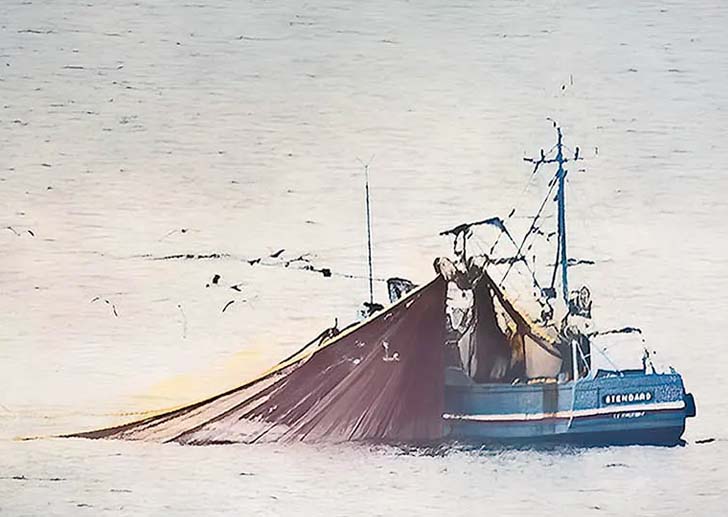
[{"x": 382, "y": 380}]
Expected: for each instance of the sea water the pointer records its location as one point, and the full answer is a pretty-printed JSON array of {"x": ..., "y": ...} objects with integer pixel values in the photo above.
[{"x": 131, "y": 131}]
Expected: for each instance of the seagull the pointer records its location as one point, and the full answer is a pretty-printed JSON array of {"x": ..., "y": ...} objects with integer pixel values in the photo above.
[
  {"x": 215, "y": 280},
  {"x": 302, "y": 258},
  {"x": 389, "y": 358},
  {"x": 254, "y": 261},
  {"x": 172, "y": 232},
  {"x": 113, "y": 307},
  {"x": 19, "y": 234}
]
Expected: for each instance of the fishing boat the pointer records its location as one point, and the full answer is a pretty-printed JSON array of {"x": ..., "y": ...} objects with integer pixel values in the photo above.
[
  {"x": 533, "y": 379},
  {"x": 463, "y": 358}
]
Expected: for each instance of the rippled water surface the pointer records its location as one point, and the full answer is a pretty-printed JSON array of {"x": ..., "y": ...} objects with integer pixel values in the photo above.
[{"x": 122, "y": 123}]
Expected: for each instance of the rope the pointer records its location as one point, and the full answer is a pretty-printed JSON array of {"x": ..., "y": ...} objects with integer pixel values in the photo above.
[{"x": 533, "y": 225}]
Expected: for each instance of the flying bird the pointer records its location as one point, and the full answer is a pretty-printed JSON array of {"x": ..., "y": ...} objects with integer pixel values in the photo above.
[
  {"x": 172, "y": 232},
  {"x": 215, "y": 280},
  {"x": 113, "y": 307},
  {"x": 302, "y": 258},
  {"x": 228, "y": 304},
  {"x": 277, "y": 253},
  {"x": 19, "y": 234}
]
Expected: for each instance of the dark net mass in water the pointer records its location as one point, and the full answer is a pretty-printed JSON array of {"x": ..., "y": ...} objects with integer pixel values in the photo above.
[{"x": 382, "y": 380}]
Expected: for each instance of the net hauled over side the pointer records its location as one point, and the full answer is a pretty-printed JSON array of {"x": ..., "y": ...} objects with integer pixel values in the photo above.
[{"x": 382, "y": 380}]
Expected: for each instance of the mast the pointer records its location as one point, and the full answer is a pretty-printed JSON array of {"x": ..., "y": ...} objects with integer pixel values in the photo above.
[
  {"x": 561, "y": 200},
  {"x": 562, "y": 257},
  {"x": 369, "y": 233}
]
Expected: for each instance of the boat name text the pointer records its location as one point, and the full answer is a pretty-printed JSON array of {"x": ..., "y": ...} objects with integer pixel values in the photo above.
[{"x": 625, "y": 398}]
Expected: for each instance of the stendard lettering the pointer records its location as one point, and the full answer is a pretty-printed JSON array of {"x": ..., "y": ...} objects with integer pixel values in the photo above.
[{"x": 628, "y": 398}]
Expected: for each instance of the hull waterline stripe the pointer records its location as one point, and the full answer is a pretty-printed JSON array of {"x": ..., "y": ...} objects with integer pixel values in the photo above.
[{"x": 578, "y": 413}]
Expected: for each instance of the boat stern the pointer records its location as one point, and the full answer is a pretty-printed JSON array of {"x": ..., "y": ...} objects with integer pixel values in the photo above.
[{"x": 690, "y": 408}]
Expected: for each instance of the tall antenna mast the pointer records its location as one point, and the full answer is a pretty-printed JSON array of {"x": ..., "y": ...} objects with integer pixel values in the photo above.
[
  {"x": 561, "y": 197},
  {"x": 369, "y": 228},
  {"x": 561, "y": 253}
]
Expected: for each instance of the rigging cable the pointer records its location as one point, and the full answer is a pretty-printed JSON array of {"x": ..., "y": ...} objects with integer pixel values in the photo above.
[{"x": 553, "y": 183}]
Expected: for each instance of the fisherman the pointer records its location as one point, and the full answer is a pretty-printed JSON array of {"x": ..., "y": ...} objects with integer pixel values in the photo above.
[
  {"x": 458, "y": 307},
  {"x": 575, "y": 328},
  {"x": 580, "y": 303}
]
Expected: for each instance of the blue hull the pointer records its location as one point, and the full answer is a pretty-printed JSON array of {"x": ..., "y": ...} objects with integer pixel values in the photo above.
[{"x": 609, "y": 409}]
